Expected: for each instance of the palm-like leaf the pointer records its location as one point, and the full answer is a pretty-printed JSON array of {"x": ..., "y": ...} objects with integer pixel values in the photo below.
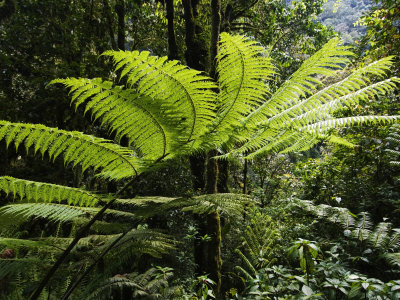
[
  {"x": 33, "y": 191},
  {"x": 115, "y": 162},
  {"x": 126, "y": 113},
  {"x": 243, "y": 68},
  {"x": 15, "y": 213},
  {"x": 184, "y": 95},
  {"x": 297, "y": 116}
]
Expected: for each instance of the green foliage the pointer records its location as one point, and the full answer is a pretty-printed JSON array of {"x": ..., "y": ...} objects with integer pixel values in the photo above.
[
  {"x": 257, "y": 247},
  {"x": 33, "y": 191},
  {"x": 115, "y": 162},
  {"x": 232, "y": 205},
  {"x": 149, "y": 285},
  {"x": 184, "y": 95},
  {"x": 177, "y": 111},
  {"x": 242, "y": 68}
]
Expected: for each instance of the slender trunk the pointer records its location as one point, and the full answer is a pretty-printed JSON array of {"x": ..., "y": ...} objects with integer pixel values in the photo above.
[
  {"x": 214, "y": 262},
  {"x": 172, "y": 46},
  {"x": 215, "y": 30},
  {"x": 245, "y": 170},
  {"x": 107, "y": 12},
  {"x": 223, "y": 176},
  {"x": 120, "y": 10},
  {"x": 190, "y": 53},
  {"x": 212, "y": 173},
  {"x": 196, "y": 51}
]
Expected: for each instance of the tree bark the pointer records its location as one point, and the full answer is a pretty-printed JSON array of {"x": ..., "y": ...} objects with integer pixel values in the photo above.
[
  {"x": 120, "y": 10},
  {"x": 172, "y": 46},
  {"x": 215, "y": 30},
  {"x": 196, "y": 50}
]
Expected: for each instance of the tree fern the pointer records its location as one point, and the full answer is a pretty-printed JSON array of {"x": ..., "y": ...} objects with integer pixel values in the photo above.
[{"x": 115, "y": 162}]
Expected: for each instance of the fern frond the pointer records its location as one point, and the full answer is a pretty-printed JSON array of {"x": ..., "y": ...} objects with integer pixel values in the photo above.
[
  {"x": 325, "y": 111},
  {"x": 32, "y": 191},
  {"x": 17, "y": 265},
  {"x": 334, "y": 139},
  {"x": 182, "y": 93},
  {"x": 379, "y": 237},
  {"x": 16, "y": 213},
  {"x": 242, "y": 68},
  {"x": 146, "y": 285},
  {"x": 230, "y": 204},
  {"x": 124, "y": 112},
  {"x": 323, "y": 126},
  {"x": 304, "y": 81},
  {"x": 393, "y": 259},
  {"x": 345, "y": 92},
  {"x": 115, "y": 162}
]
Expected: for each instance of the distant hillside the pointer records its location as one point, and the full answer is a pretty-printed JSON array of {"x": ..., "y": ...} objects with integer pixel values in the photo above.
[{"x": 347, "y": 14}]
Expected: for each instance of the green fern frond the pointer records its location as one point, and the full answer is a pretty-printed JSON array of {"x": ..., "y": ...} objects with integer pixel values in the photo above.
[
  {"x": 248, "y": 264},
  {"x": 334, "y": 139},
  {"x": 325, "y": 111},
  {"x": 246, "y": 274},
  {"x": 146, "y": 285},
  {"x": 380, "y": 237},
  {"x": 242, "y": 69},
  {"x": 230, "y": 204},
  {"x": 17, "y": 265},
  {"x": 304, "y": 81},
  {"x": 345, "y": 92},
  {"x": 181, "y": 92},
  {"x": 16, "y": 213},
  {"x": 393, "y": 259},
  {"x": 126, "y": 113},
  {"x": 115, "y": 162},
  {"x": 32, "y": 191},
  {"x": 323, "y": 126}
]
